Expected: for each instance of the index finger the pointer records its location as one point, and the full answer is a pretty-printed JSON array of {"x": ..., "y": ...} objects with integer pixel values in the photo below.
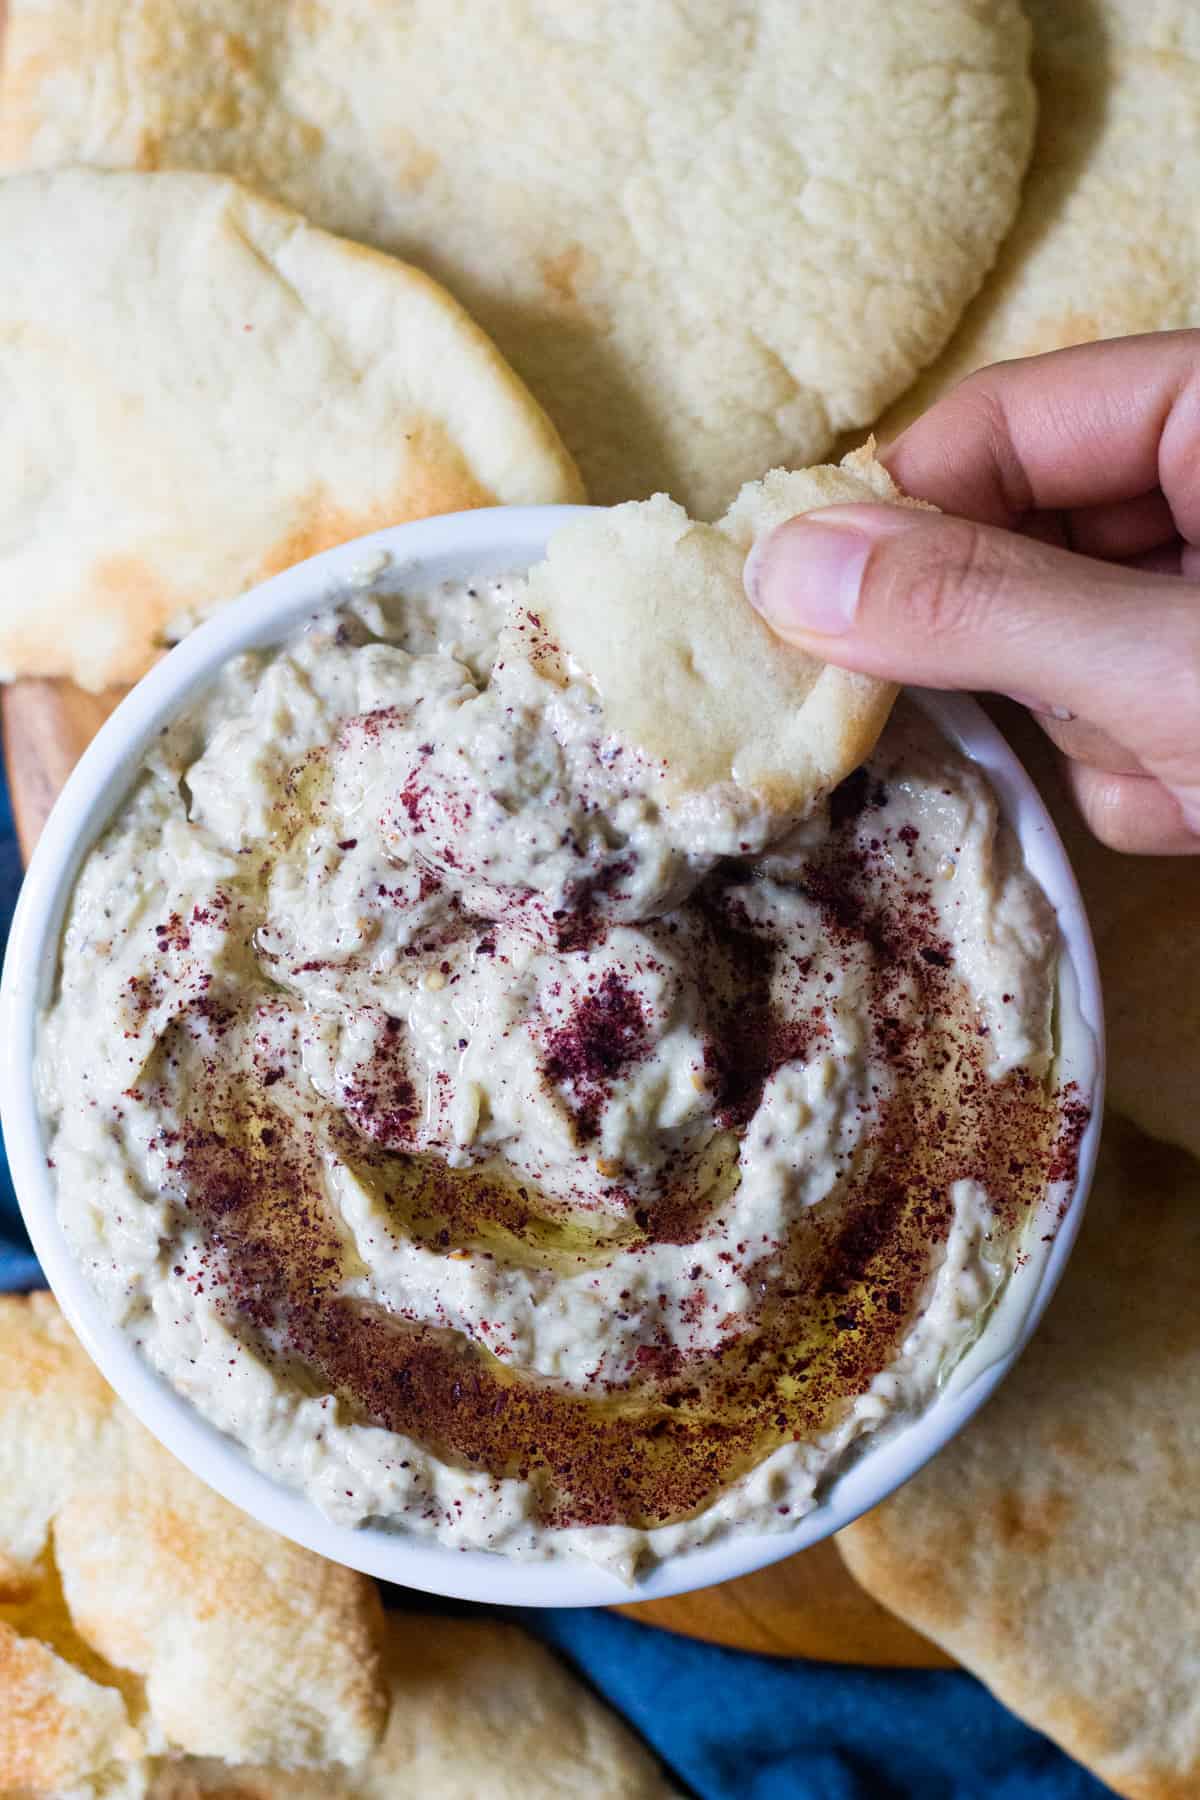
[{"x": 1088, "y": 426}]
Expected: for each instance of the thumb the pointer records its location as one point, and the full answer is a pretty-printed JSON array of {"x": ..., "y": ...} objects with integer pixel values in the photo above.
[{"x": 941, "y": 602}]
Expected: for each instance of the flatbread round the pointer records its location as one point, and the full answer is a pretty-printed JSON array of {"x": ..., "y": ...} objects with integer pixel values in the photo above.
[
  {"x": 1054, "y": 1548},
  {"x": 650, "y": 606},
  {"x": 1106, "y": 240},
  {"x": 198, "y": 389},
  {"x": 710, "y": 237}
]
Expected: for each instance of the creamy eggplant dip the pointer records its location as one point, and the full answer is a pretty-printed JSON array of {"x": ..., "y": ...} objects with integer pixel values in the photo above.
[{"x": 504, "y": 1151}]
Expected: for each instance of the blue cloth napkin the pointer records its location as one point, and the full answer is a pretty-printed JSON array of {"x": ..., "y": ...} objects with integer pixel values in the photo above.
[
  {"x": 739, "y": 1727},
  {"x": 732, "y": 1726},
  {"x": 18, "y": 1268}
]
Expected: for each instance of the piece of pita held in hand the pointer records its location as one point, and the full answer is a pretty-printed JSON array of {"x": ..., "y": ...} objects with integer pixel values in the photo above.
[
  {"x": 141, "y": 1616},
  {"x": 1054, "y": 1547},
  {"x": 650, "y": 607},
  {"x": 198, "y": 389}
]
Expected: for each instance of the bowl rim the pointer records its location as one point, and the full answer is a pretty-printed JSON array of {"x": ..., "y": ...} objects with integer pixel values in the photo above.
[{"x": 489, "y": 540}]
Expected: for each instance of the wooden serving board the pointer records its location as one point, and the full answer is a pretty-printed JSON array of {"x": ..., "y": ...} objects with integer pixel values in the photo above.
[
  {"x": 807, "y": 1606},
  {"x": 47, "y": 727}
]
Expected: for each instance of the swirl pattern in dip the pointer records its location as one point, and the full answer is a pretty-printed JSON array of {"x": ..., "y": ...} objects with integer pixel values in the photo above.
[{"x": 500, "y": 1149}]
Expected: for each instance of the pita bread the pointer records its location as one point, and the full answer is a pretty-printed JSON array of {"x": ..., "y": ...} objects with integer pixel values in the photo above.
[
  {"x": 478, "y": 1709},
  {"x": 709, "y": 237},
  {"x": 650, "y": 605},
  {"x": 1106, "y": 239},
  {"x": 136, "y": 1602},
  {"x": 199, "y": 389},
  {"x": 1054, "y": 1547}
]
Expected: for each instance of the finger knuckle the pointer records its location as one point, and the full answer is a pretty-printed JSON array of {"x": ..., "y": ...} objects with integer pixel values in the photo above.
[
  {"x": 1170, "y": 729},
  {"x": 941, "y": 582},
  {"x": 983, "y": 419},
  {"x": 1186, "y": 658}
]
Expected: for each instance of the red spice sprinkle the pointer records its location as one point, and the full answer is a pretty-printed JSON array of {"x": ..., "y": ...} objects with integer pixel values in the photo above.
[
  {"x": 1076, "y": 1116},
  {"x": 605, "y": 1036}
]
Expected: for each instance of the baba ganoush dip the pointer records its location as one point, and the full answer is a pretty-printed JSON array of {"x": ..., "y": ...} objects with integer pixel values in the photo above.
[{"x": 501, "y": 1151}]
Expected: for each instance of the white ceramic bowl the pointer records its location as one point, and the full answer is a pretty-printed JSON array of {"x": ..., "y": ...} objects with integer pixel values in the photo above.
[{"x": 453, "y": 548}]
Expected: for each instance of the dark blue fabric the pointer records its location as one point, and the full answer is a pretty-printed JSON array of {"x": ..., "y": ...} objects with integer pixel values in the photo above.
[
  {"x": 736, "y": 1727},
  {"x": 18, "y": 1270},
  {"x": 739, "y": 1727}
]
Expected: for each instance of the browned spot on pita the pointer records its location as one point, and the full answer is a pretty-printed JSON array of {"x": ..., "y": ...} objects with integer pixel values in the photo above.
[
  {"x": 563, "y": 273},
  {"x": 425, "y": 492},
  {"x": 235, "y": 51},
  {"x": 1031, "y": 1523},
  {"x": 46, "y": 1363},
  {"x": 1071, "y": 1443},
  {"x": 122, "y": 589},
  {"x": 16, "y": 1582},
  {"x": 130, "y": 588},
  {"x": 147, "y": 154},
  {"x": 40, "y": 1353},
  {"x": 412, "y": 163},
  {"x": 925, "y": 1577},
  {"x": 24, "y": 81},
  {"x": 1060, "y": 330}
]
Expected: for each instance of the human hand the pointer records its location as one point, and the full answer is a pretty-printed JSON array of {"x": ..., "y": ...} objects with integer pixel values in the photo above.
[{"x": 1067, "y": 577}]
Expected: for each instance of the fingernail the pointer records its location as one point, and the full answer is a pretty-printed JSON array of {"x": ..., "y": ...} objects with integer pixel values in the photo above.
[{"x": 806, "y": 576}]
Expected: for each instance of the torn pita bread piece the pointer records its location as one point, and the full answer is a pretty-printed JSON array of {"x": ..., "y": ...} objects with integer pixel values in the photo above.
[
  {"x": 200, "y": 389},
  {"x": 479, "y": 1711},
  {"x": 59, "y": 1422},
  {"x": 650, "y": 606},
  {"x": 1054, "y": 1547},
  {"x": 710, "y": 238},
  {"x": 1106, "y": 239},
  {"x": 62, "y": 1733},
  {"x": 139, "y": 1613},
  {"x": 164, "y": 1579}
]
